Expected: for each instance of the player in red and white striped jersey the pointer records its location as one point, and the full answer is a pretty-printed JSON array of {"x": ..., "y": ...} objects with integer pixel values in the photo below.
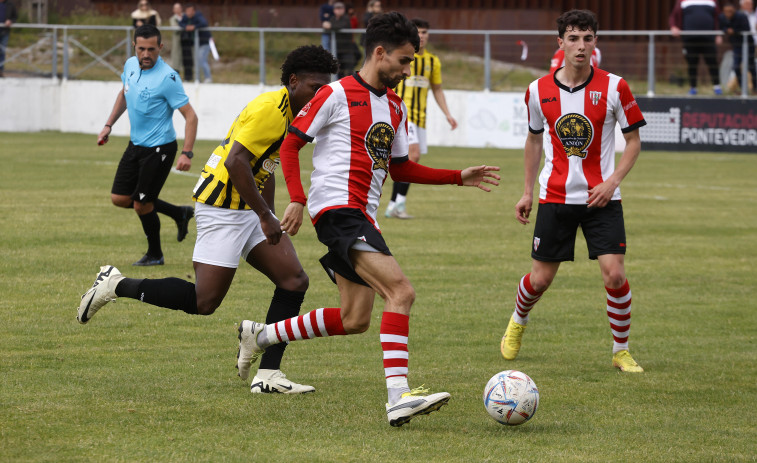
[
  {"x": 361, "y": 126},
  {"x": 572, "y": 115}
]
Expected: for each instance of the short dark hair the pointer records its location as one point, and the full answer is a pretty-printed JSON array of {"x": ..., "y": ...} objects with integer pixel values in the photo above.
[
  {"x": 582, "y": 20},
  {"x": 308, "y": 58},
  {"x": 390, "y": 30},
  {"x": 421, "y": 23},
  {"x": 146, "y": 31}
]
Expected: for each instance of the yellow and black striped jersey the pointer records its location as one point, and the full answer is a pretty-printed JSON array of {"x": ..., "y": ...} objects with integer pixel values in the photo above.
[
  {"x": 425, "y": 70},
  {"x": 261, "y": 128}
]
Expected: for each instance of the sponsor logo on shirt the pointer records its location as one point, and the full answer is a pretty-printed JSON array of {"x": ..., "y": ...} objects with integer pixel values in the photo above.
[
  {"x": 269, "y": 166},
  {"x": 358, "y": 103},
  {"x": 304, "y": 111},
  {"x": 630, "y": 105},
  {"x": 548, "y": 100},
  {"x": 378, "y": 143},
  {"x": 575, "y": 132}
]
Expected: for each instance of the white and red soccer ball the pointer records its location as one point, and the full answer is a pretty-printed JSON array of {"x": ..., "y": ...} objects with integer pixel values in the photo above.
[{"x": 511, "y": 397}]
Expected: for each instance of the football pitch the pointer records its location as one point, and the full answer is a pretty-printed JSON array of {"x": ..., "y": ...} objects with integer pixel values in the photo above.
[{"x": 140, "y": 383}]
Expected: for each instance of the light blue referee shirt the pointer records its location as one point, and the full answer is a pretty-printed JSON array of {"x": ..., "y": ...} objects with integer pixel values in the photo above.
[{"x": 152, "y": 96}]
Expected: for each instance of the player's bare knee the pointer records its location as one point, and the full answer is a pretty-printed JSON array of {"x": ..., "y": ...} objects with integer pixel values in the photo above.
[
  {"x": 207, "y": 306},
  {"x": 356, "y": 325},
  {"x": 615, "y": 278},
  {"x": 121, "y": 201},
  {"x": 143, "y": 208},
  {"x": 298, "y": 282},
  {"x": 402, "y": 294}
]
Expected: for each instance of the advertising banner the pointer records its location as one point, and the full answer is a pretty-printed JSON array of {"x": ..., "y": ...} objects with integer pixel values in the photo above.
[{"x": 699, "y": 124}]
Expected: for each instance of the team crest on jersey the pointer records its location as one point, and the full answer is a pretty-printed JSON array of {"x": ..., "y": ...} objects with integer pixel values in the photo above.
[
  {"x": 144, "y": 95},
  {"x": 378, "y": 142},
  {"x": 595, "y": 97},
  {"x": 575, "y": 132}
]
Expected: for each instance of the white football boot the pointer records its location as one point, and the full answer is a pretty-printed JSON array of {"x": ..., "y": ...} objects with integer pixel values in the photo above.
[
  {"x": 413, "y": 404},
  {"x": 276, "y": 382},
  {"x": 102, "y": 292},
  {"x": 249, "y": 351}
]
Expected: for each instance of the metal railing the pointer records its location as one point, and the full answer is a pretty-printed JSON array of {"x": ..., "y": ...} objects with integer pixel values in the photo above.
[{"x": 485, "y": 36}]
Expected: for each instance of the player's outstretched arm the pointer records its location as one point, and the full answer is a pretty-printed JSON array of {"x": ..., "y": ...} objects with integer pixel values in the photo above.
[{"x": 478, "y": 175}]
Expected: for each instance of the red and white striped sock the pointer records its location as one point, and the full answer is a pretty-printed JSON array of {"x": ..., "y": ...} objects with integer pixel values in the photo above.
[
  {"x": 619, "y": 314},
  {"x": 525, "y": 300},
  {"x": 314, "y": 324},
  {"x": 394, "y": 332}
]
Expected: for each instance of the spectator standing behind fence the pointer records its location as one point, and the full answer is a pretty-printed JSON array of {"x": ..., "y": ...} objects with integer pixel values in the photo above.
[
  {"x": 747, "y": 6},
  {"x": 733, "y": 23},
  {"x": 371, "y": 9},
  {"x": 325, "y": 12},
  {"x": 144, "y": 14},
  {"x": 345, "y": 47},
  {"x": 8, "y": 15},
  {"x": 192, "y": 20},
  {"x": 701, "y": 15},
  {"x": 178, "y": 13}
]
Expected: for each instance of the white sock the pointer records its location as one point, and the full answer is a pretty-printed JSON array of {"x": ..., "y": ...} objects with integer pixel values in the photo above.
[
  {"x": 400, "y": 200},
  {"x": 396, "y": 386},
  {"x": 390, "y": 205}
]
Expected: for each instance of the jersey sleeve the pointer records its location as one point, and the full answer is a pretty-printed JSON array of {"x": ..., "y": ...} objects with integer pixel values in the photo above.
[
  {"x": 401, "y": 144},
  {"x": 261, "y": 126},
  {"x": 556, "y": 62},
  {"x": 173, "y": 90},
  {"x": 535, "y": 119},
  {"x": 436, "y": 74},
  {"x": 315, "y": 114},
  {"x": 627, "y": 112}
]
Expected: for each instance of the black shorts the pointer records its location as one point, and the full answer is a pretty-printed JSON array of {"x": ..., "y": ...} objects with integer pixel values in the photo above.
[
  {"x": 338, "y": 229},
  {"x": 142, "y": 171},
  {"x": 556, "y": 226}
]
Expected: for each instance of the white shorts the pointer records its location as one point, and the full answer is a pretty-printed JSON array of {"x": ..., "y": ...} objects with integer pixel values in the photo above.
[
  {"x": 225, "y": 235},
  {"x": 417, "y": 136}
]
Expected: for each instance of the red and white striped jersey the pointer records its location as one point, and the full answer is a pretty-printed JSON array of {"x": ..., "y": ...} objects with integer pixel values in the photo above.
[
  {"x": 579, "y": 146},
  {"x": 358, "y": 129},
  {"x": 558, "y": 60}
]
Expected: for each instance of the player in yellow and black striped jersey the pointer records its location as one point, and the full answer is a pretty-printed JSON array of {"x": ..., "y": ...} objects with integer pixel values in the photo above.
[
  {"x": 260, "y": 128},
  {"x": 426, "y": 73},
  {"x": 234, "y": 212}
]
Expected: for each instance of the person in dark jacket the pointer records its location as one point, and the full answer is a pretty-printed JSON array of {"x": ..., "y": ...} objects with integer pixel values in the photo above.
[
  {"x": 192, "y": 20},
  {"x": 8, "y": 15},
  {"x": 733, "y": 23},
  {"x": 698, "y": 16}
]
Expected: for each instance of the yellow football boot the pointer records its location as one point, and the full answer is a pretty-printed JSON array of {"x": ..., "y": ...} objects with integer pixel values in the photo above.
[
  {"x": 510, "y": 345},
  {"x": 626, "y": 363}
]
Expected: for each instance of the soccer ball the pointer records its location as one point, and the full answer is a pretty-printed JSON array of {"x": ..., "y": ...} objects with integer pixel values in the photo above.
[{"x": 511, "y": 397}]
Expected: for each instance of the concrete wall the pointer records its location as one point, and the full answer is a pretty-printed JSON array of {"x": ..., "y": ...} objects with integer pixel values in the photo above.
[{"x": 30, "y": 105}]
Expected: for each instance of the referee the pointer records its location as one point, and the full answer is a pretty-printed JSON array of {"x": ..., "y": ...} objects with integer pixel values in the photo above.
[{"x": 152, "y": 91}]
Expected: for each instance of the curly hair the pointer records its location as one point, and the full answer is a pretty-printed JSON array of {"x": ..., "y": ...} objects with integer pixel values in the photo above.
[
  {"x": 308, "y": 58},
  {"x": 390, "y": 30},
  {"x": 582, "y": 20}
]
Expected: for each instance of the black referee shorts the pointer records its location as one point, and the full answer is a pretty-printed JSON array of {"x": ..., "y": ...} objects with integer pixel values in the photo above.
[
  {"x": 557, "y": 224},
  {"x": 338, "y": 229},
  {"x": 143, "y": 171}
]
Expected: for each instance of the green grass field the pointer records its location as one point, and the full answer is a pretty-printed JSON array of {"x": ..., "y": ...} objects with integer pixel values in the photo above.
[{"x": 141, "y": 383}]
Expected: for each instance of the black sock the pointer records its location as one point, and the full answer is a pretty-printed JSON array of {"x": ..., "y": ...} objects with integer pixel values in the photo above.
[
  {"x": 151, "y": 226},
  {"x": 168, "y": 209},
  {"x": 402, "y": 188},
  {"x": 170, "y": 293},
  {"x": 128, "y": 287},
  {"x": 285, "y": 304}
]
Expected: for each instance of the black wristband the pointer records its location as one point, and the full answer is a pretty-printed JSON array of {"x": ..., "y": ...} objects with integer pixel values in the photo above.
[{"x": 108, "y": 126}]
